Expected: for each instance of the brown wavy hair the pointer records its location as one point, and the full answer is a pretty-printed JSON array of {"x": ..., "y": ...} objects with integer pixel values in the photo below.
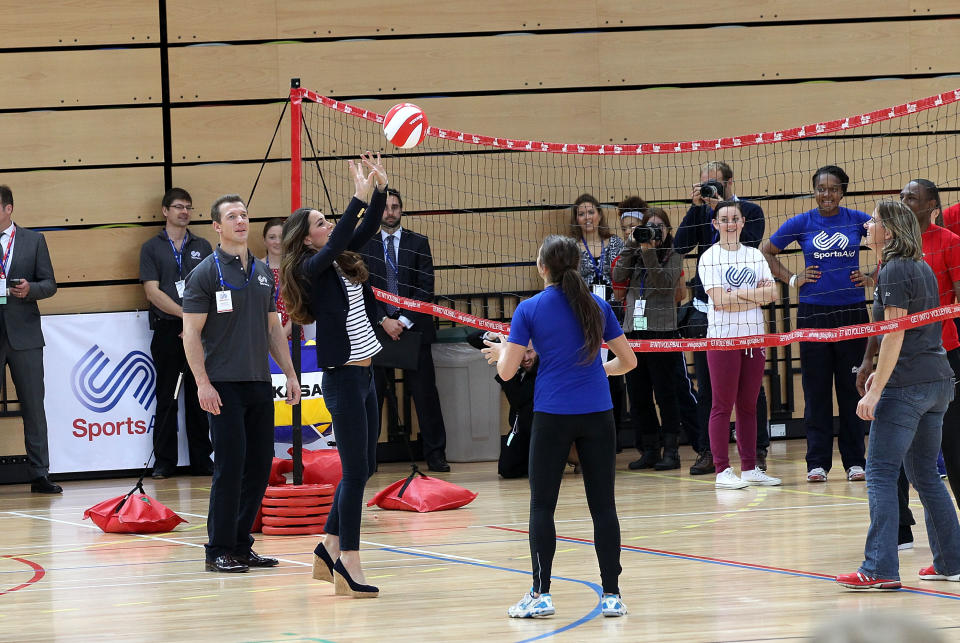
[
  {"x": 560, "y": 256},
  {"x": 294, "y": 284},
  {"x": 602, "y": 228}
]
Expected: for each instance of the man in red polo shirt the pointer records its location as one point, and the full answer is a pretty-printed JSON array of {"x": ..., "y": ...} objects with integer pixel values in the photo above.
[{"x": 941, "y": 251}]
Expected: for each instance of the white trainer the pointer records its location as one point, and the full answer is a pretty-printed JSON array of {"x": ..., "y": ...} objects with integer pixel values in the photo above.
[
  {"x": 531, "y": 606},
  {"x": 727, "y": 479},
  {"x": 758, "y": 477},
  {"x": 612, "y": 605},
  {"x": 856, "y": 474},
  {"x": 816, "y": 474}
]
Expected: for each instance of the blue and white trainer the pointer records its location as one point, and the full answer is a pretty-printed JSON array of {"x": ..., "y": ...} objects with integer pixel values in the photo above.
[
  {"x": 612, "y": 605},
  {"x": 531, "y": 606}
]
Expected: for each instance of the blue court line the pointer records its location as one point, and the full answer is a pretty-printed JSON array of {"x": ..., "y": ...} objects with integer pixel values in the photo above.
[{"x": 589, "y": 616}]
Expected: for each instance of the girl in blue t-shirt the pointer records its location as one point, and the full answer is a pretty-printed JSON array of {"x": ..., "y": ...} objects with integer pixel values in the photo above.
[
  {"x": 831, "y": 294},
  {"x": 571, "y": 404}
]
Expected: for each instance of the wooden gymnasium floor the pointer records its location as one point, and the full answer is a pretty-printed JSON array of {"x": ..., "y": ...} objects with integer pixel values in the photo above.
[{"x": 698, "y": 565}]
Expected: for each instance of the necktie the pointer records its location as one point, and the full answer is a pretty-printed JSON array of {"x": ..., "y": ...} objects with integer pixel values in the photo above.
[{"x": 391, "y": 272}]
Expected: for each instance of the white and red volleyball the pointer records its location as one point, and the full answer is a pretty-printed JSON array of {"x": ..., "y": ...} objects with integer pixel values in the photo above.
[{"x": 405, "y": 125}]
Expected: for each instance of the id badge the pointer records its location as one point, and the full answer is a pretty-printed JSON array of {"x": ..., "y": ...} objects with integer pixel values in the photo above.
[
  {"x": 639, "y": 323},
  {"x": 600, "y": 291},
  {"x": 224, "y": 301},
  {"x": 640, "y": 307},
  {"x": 181, "y": 286},
  {"x": 3, "y": 288}
]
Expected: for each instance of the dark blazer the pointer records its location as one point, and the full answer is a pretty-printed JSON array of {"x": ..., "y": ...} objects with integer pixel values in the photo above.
[
  {"x": 328, "y": 296},
  {"x": 31, "y": 261},
  {"x": 415, "y": 278}
]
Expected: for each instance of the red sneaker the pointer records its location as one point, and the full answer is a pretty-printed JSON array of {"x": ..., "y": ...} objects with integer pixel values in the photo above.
[
  {"x": 929, "y": 573},
  {"x": 859, "y": 580}
]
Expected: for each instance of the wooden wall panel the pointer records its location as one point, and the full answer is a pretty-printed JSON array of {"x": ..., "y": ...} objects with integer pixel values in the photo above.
[
  {"x": 72, "y": 78},
  {"x": 270, "y": 19},
  {"x": 80, "y": 22},
  {"x": 94, "y": 299},
  {"x": 85, "y": 137},
  {"x": 205, "y": 134},
  {"x": 208, "y": 182},
  {"x": 557, "y": 61},
  {"x": 49, "y": 198}
]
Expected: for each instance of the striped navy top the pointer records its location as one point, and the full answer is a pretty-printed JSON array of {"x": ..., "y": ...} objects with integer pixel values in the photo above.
[{"x": 363, "y": 342}]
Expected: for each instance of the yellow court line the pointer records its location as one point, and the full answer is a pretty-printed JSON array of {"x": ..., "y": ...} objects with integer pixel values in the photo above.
[
  {"x": 190, "y": 598},
  {"x": 382, "y": 576},
  {"x": 432, "y": 569},
  {"x": 131, "y": 604},
  {"x": 563, "y": 551},
  {"x": 268, "y": 589},
  {"x": 66, "y": 609}
]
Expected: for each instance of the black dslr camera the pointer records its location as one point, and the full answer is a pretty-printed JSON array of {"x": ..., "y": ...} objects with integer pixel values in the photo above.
[
  {"x": 647, "y": 233},
  {"x": 712, "y": 189}
]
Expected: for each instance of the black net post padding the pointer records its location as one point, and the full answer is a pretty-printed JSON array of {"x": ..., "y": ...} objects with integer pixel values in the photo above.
[{"x": 267, "y": 155}]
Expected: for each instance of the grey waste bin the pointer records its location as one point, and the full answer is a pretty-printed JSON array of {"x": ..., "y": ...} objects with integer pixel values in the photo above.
[{"x": 470, "y": 402}]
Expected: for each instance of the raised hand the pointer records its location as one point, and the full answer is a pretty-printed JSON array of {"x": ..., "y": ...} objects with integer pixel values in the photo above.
[
  {"x": 362, "y": 183},
  {"x": 377, "y": 167}
]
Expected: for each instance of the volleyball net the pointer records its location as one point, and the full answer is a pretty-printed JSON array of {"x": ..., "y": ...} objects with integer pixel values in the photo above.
[{"x": 486, "y": 203}]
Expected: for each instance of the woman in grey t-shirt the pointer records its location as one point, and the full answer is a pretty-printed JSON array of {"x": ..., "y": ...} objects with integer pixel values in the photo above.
[{"x": 905, "y": 400}]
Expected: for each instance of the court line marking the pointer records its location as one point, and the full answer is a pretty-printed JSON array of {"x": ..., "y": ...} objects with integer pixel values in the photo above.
[
  {"x": 38, "y": 573},
  {"x": 742, "y": 565}
]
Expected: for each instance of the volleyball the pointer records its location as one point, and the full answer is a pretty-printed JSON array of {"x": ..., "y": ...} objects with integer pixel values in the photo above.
[{"x": 405, "y": 125}]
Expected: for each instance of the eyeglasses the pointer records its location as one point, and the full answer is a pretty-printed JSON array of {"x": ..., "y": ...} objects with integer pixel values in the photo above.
[
  {"x": 180, "y": 206},
  {"x": 829, "y": 190}
]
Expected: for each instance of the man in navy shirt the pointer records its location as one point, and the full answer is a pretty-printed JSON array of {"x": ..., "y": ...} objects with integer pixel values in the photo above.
[{"x": 696, "y": 233}]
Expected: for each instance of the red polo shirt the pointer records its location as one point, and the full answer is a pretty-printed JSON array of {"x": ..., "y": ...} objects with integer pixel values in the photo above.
[{"x": 941, "y": 251}]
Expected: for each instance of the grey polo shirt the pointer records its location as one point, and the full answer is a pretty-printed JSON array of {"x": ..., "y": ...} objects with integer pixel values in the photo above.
[
  {"x": 235, "y": 344},
  {"x": 158, "y": 262}
]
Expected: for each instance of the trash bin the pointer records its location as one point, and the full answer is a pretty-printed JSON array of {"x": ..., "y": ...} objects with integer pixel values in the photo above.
[{"x": 469, "y": 401}]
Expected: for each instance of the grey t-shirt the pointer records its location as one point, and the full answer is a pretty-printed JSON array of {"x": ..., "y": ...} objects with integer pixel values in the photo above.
[
  {"x": 911, "y": 285},
  {"x": 235, "y": 344},
  {"x": 158, "y": 262}
]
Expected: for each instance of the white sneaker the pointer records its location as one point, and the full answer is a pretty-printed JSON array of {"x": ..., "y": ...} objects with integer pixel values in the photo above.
[
  {"x": 758, "y": 477},
  {"x": 856, "y": 474},
  {"x": 727, "y": 479},
  {"x": 532, "y": 607},
  {"x": 612, "y": 605},
  {"x": 816, "y": 474}
]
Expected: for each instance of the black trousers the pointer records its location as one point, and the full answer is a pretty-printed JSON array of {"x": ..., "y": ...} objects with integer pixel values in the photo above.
[
  {"x": 26, "y": 369},
  {"x": 949, "y": 445},
  {"x": 655, "y": 374},
  {"x": 596, "y": 440},
  {"x": 422, "y": 385},
  {"x": 169, "y": 360},
  {"x": 243, "y": 440},
  {"x": 698, "y": 328},
  {"x": 825, "y": 366}
]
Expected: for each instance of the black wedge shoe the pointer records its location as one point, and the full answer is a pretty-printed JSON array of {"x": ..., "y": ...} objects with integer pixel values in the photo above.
[
  {"x": 322, "y": 564},
  {"x": 344, "y": 585}
]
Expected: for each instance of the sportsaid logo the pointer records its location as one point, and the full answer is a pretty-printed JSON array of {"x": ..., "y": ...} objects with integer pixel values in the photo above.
[
  {"x": 832, "y": 246},
  {"x": 739, "y": 278},
  {"x": 100, "y": 386}
]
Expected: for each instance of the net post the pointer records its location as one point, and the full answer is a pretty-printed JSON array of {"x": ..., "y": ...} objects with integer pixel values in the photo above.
[{"x": 296, "y": 124}]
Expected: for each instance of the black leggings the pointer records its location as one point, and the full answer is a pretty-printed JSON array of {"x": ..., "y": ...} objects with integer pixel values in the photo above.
[{"x": 595, "y": 437}]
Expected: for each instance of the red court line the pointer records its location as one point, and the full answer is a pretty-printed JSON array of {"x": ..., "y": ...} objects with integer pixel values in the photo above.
[
  {"x": 724, "y": 561},
  {"x": 38, "y": 573}
]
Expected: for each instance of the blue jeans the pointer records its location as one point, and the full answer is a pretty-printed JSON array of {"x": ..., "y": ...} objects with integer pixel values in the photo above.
[
  {"x": 906, "y": 430},
  {"x": 351, "y": 397}
]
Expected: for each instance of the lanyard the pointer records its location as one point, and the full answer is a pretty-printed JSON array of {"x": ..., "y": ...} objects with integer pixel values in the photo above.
[
  {"x": 276, "y": 280},
  {"x": 177, "y": 254},
  {"x": 6, "y": 255},
  {"x": 386, "y": 254},
  {"x": 224, "y": 284},
  {"x": 596, "y": 261}
]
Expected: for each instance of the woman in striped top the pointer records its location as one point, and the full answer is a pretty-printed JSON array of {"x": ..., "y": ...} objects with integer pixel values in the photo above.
[{"x": 324, "y": 279}]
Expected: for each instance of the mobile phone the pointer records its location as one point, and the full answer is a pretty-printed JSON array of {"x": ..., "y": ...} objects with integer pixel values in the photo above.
[{"x": 15, "y": 282}]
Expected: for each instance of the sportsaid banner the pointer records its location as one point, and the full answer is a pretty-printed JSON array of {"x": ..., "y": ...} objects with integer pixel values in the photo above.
[
  {"x": 317, "y": 431},
  {"x": 100, "y": 391}
]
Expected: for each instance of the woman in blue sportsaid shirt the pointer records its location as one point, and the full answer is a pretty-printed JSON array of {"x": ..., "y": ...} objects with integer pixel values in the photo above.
[
  {"x": 831, "y": 294},
  {"x": 571, "y": 404}
]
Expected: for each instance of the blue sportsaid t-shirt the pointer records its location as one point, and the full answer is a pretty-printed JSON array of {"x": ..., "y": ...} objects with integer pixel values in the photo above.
[
  {"x": 564, "y": 387},
  {"x": 833, "y": 243}
]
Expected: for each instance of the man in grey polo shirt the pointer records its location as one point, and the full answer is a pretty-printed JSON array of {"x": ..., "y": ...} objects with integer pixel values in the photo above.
[
  {"x": 165, "y": 261},
  {"x": 229, "y": 324}
]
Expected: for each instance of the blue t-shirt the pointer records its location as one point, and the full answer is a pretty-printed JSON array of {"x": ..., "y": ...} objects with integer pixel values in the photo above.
[
  {"x": 833, "y": 243},
  {"x": 564, "y": 386}
]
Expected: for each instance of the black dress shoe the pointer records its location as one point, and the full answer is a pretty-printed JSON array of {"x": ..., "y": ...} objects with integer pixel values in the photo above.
[
  {"x": 253, "y": 559},
  {"x": 227, "y": 564},
  {"x": 202, "y": 470},
  {"x": 43, "y": 485},
  {"x": 438, "y": 464},
  {"x": 161, "y": 474}
]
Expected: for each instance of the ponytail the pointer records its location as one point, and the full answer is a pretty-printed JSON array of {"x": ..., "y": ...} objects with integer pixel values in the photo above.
[{"x": 561, "y": 258}]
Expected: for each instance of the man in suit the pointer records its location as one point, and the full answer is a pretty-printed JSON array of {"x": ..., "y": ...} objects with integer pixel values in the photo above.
[
  {"x": 400, "y": 262},
  {"x": 26, "y": 275}
]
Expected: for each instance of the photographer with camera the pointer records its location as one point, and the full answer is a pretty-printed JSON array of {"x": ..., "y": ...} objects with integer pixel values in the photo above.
[
  {"x": 697, "y": 233},
  {"x": 653, "y": 270}
]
